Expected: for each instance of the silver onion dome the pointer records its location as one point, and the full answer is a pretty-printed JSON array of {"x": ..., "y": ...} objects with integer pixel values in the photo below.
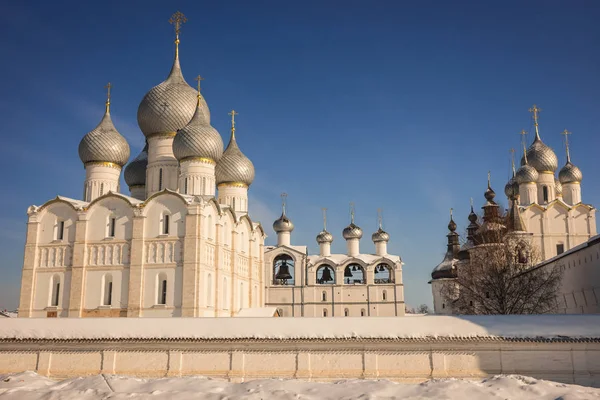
[
  {"x": 135, "y": 171},
  {"x": 526, "y": 174},
  {"x": 558, "y": 189},
  {"x": 570, "y": 174},
  {"x": 169, "y": 106},
  {"x": 380, "y": 236},
  {"x": 283, "y": 224},
  {"x": 324, "y": 237},
  {"x": 104, "y": 143},
  {"x": 352, "y": 231},
  {"x": 234, "y": 166},
  {"x": 511, "y": 189},
  {"x": 540, "y": 156},
  {"x": 198, "y": 138}
]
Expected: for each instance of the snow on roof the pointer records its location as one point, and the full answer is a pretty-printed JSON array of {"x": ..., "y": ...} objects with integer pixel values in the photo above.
[
  {"x": 466, "y": 327},
  {"x": 257, "y": 312}
]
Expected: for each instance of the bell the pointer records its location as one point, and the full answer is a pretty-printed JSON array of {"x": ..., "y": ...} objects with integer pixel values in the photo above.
[
  {"x": 347, "y": 272},
  {"x": 354, "y": 268},
  {"x": 284, "y": 272},
  {"x": 381, "y": 268},
  {"x": 326, "y": 277}
]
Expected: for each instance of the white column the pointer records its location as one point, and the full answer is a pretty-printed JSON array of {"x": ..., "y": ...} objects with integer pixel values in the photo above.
[
  {"x": 100, "y": 178},
  {"x": 572, "y": 193},
  {"x": 353, "y": 247},
  {"x": 235, "y": 195},
  {"x": 283, "y": 238},
  {"x": 325, "y": 249},
  {"x": 163, "y": 167},
  {"x": 381, "y": 248},
  {"x": 528, "y": 193},
  {"x": 197, "y": 176}
]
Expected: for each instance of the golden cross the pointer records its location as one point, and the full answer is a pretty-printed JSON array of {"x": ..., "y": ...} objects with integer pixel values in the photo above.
[
  {"x": 108, "y": 86},
  {"x": 233, "y": 113},
  {"x": 324, "y": 218},
  {"x": 199, "y": 79},
  {"x": 566, "y": 134},
  {"x": 535, "y": 110},
  {"x": 177, "y": 19}
]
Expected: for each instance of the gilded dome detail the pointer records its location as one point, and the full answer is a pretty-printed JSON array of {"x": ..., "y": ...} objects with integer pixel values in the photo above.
[{"x": 104, "y": 143}]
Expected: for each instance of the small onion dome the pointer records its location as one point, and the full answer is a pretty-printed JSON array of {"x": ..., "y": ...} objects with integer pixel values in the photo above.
[
  {"x": 283, "y": 224},
  {"x": 557, "y": 187},
  {"x": 472, "y": 216},
  {"x": 352, "y": 231},
  {"x": 104, "y": 144},
  {"x": 526, "y": 174},
  {"x": 570, "y": 174},
  {"x": 540, "y": 156},
  {"x": 489, "y": 196},
  {"x": 168, "y": 107},
  {"x": 234, "y": 166},
  {"x": 198, "y": 138},
  {"x": 135, "y": 171},
  {"x": 324, "y": 237},
  {"x": 380, "y": 236},
  {"x": 451, "y": 225}
]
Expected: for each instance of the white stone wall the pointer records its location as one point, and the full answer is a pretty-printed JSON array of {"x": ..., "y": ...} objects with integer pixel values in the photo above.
[{"x": 314, "y": 360}]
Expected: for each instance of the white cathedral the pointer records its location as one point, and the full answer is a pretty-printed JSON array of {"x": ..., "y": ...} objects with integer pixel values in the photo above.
[
  {"x": 546, "y": 209},
  {"x": 182, "y": 244}
]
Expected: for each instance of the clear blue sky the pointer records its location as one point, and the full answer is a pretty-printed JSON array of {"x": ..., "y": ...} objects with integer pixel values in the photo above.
[{"x": 389, "y": 104}]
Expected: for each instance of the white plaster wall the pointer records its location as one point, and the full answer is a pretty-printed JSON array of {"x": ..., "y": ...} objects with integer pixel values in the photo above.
[
  {"x": 402, "y": 361},
  {"x": 48, "y": 223},
  {"x": 200, "y": 178},
  {"x": 160, "y": 156},
  {"x": 43, "y": 292},
  {"x": 94, "y": 289},
  {"x": 174, "y": 292},
  {"x": 99, "y": 180},
  {"x": 99, "y": 215},
  {"x": 155, "y": 210},
  {"x": 227, "y": 194}
]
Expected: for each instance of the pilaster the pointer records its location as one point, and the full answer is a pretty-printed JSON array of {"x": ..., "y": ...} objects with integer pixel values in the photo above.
[
  {"x": 136, "y": 266},
  {"x": 29, "y": 268},
  {"x": 77, "y": 289},
  {"x": 191, "y": 263}
]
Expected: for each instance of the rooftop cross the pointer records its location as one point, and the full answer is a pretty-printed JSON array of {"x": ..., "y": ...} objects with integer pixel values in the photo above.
[
  {"x": 233, "y": 113},
  {"x": 380, "y": 218},
  {"x": 177, "y": 20},
  {"x": 324, "y": 219},
  {"x": 107, "y": 87},
  {"x": 199, "y": 79},
  {"x": 512, "y": 160},
  {"x": 489, "y": 179},
  {"x": 283, "y": 200},
  {"x": 352, "y": 212},
  {"x": 566, "y": 134},
  {"x": 523, "y": 134},
  {"x": 535, "y": 111}
]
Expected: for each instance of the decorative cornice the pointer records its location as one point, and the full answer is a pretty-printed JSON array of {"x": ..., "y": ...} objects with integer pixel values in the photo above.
[
  {"x": 204, "y": 160},
  {"x": 103, "y": 164},
  {"x": 233, "y": 184}
]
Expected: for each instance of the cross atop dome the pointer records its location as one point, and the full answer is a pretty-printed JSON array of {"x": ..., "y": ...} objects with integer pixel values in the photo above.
[
  {"x": 535, "y": 110},
  {"x": 107, "y": 87}
]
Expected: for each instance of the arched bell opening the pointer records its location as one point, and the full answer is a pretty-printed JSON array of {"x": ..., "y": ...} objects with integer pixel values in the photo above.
[
  {"x": 354, "y": 274},
  {"x": 383, "y": 274},
  {"x": 283, "y": 270},
  {"x": 325, "y": 275}
]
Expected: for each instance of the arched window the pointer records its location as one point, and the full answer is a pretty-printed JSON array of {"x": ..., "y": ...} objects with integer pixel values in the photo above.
[
  {"x": 161, "y": 297},
  {"x": 225, "y": 297},
  {"x": 384, "y": 295},
  {"x": 354, "y": 274},
  {"x": 165, "y": 227},
  {"x": 209, "y": 290},
  {"x": 324, "y": 296},
  {"x": 346, "y": 312},
  {"x": 60, "y": 230},
  {"x": 283, "y": 270},
  {"x": 55, "y": 290},
  {"x": 112, "y": 226},
  {"x": 107, "y": 286},
  {"x": 324, "y": 312},
  {"x": 443, "y": 305},
  {"x": 325, "y": 275},
  {"x": 185, "y": 190},
  {"x": 545, "y": 193},
  {"x": 160, "y": 179},
  {"x": 362, "y": 312},
  {"x": 383, "y": 274}
]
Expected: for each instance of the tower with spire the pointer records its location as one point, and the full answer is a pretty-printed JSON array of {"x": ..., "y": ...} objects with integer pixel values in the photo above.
[{"x": 104, "y": 152}]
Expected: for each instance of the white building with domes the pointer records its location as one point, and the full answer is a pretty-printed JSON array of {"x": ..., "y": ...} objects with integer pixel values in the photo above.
[{"x": 183, "y": 244}]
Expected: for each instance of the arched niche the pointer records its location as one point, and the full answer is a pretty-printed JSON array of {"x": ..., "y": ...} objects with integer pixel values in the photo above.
[
  {"x": 383, "y": 273},
  {"x": 283, "y": 270},
  {"x": 354, "y": 273},
  {"x": 325, "y": 275}
]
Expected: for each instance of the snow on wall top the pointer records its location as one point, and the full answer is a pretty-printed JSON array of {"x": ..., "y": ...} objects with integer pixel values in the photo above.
[{"x": 517, "y": 326}]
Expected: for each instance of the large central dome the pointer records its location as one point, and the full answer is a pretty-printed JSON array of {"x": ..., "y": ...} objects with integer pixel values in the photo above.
[{"x": 168, "y": 107}]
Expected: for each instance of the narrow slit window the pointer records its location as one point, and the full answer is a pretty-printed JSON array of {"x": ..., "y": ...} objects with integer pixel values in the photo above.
[
  {"x": 163, "y": 292},
  {"x": 186, "y": 186},
  {"x": 166, "y": 224},
  {"x": 560, "y": 248},
  {"x": 108, "y": 294},
  {"x": 55, "y": 293},
  {"x": 324, "y": 312},
  {"x": 112, "y": 226},
  {"x": 545, "y": 193},
  {"x": 101, "y": 189},
  {"x": 324, "y": 296},
  {"x": 362, "y": 312},
  {"x": 160, "y": 179},
  {"x": 346, "y": 312},
  {"x": 60, "y": 232}
]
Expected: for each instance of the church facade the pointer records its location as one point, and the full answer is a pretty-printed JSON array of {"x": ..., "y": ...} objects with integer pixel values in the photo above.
[
  {"x": 183, "y": 244},
  {"x": 545, "y": 210}
]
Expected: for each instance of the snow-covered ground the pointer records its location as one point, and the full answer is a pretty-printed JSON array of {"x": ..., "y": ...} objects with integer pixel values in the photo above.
[{"x": 28, "y": 385}]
